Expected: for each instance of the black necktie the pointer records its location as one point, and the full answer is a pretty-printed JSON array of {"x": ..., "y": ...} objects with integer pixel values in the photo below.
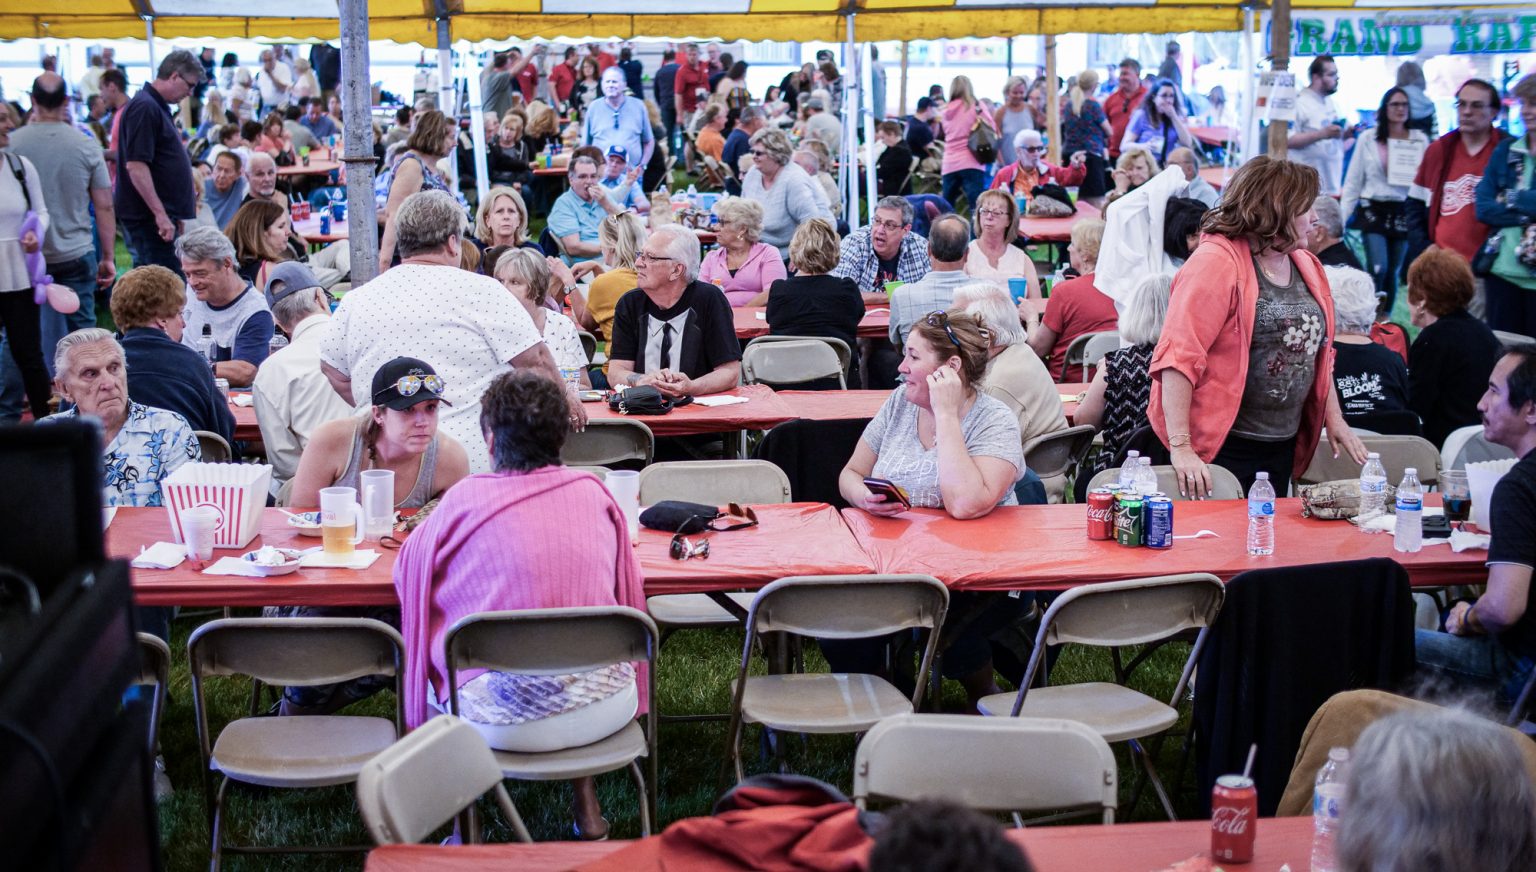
[{"x": 666, "y": 344}]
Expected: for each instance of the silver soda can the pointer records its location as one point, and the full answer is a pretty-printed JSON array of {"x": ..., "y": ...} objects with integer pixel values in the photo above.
[{"x": 1159, "y": 522}]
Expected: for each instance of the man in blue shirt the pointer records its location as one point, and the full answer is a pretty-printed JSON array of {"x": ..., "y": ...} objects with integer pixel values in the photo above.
[
  {"x": 577, "y": 213},
  {"x": 319, "y": 123},
  {"x": 619, "y": 120},
  {"x": 223, "y": 309},
  {"x": 623, "y": 182},
  {"x": 739, "y": 143}
]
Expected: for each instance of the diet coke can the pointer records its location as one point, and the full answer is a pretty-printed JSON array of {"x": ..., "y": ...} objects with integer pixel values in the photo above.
[
  {"x": 1101, "y": 514},
  {"x": 1159, "y": 522},
  {"x": 1234, "y": 818}
]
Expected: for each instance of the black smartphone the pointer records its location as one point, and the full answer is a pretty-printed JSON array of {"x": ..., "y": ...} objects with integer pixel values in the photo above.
[{"x": 890, "y": 491}]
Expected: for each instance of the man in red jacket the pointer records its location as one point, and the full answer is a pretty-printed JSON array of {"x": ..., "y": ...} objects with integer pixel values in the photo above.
[
  {"x": 1440, "y": 207},
  {"x": 563, "y": 77},
  {"x": 692, "y": 78},
  {"x": 1123, "y": 102}
]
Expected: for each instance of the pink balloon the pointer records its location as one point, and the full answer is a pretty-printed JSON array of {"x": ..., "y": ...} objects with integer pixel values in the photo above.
[{"x": 63, "y": 299}]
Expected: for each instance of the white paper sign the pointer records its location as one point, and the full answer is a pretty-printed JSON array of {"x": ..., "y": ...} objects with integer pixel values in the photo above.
[
  {"x": 1403, "y": 157},
  {"x": 1276, "y": 96}
]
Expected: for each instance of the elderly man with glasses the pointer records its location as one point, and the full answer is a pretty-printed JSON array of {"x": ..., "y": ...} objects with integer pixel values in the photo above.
[
  {"x": 579, "y": 212},
  {"x": 674, "y": 331},
  {"x": 619, "y": 120},
  {"x": 156, "y": 195},
  {"x": 1029, "y": 169},
  {"x": 886, "y": 251}
]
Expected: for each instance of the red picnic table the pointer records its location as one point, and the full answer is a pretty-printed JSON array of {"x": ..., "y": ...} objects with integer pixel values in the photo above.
[
  {"x": 246, "y": 428},
  {"x": 752, "y": 322},
  {"x": 309, "y": 230},
  {"x": 1047, "y": 547},
  {"x": 762, "y": 411},
  {"x": 1215, "y": 136},
  {"x": 1055, "y": 229},
  {"x": 1217, "y": 177},
  {"x": 858, "y": 405},
  {"x": 1119, "y": 848},
  {"x": 791, "y": 539}
]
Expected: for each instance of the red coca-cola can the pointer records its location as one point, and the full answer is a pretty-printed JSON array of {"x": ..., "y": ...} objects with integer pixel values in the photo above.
[
  {"x": 1234, "y": 818},
  {"x": 1101, "y": 514}
]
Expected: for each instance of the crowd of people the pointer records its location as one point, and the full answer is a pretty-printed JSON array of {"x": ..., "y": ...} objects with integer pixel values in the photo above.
[{"x": 1248, "y": 330}]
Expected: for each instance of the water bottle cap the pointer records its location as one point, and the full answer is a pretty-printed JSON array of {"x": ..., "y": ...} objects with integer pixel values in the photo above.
[
  {"x": 1261, "y": 476},
  {"x": 1130, "y": 454},
  {"x": 1371, "y": 455},
  {"x": 1337, "y": 754},
  {"x": 1410, "y": 471}
]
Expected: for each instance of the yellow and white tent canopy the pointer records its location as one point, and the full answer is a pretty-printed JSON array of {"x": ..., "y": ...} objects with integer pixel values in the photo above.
[{"x": 787, "y": 20}]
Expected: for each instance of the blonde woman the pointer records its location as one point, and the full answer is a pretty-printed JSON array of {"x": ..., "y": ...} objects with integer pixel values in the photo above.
[
  {"x": 1084, "y": 128},
  {"x": 304, "y": 82},
  {"x": 527, "y": 274},
  {"x": 620, "y": 237},
  {"x": 1011, "y": 117},
  {"x": 1134, "y": 168},
  {"x": 961, "y": 172},
  {"x": 742, "y": 266},
  {"x": 502, "y": 220},
  {"x": 992, "y": 254},
  {"x": 543, "y": 126}
]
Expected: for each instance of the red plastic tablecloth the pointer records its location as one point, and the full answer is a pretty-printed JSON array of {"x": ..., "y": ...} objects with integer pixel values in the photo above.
[
  {"x": 246, "y": 428},
  {"x": 1119, "y": 848},
  {"x": 749, "y": 326},
  {"x": 834, "y": 405},
  {"x": 792, "y": 539},
  {"x": 762, "y": 411},
  {"x": 1216, "y": 136},
  {"x": 1047, "y": 547},
  {"x": 1055, "y": 229}
]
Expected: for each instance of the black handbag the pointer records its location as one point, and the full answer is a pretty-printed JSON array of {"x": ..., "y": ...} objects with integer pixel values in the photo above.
[
  {"x": 1482, "y": 262},
  {"x": 1383, "y": 217},
  {"x": 982, "y": 142},
  {"x": 679, "y": 516},
  {"x": 642, "y": 400}
]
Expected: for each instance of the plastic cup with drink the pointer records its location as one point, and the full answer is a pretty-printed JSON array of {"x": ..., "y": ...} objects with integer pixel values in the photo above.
[
  {"x": 378, "y": 486},
  {"x": 198, "y": 524},
  {"x": 341, "y": 519}
]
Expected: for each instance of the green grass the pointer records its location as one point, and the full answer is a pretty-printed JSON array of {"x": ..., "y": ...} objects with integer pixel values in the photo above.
[{"x": 694, "y": 675}]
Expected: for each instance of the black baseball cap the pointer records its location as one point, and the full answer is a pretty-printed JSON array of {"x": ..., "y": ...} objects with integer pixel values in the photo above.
[
  {"x": 924, "y": 103},
  {"x": 386, "y": 384}
]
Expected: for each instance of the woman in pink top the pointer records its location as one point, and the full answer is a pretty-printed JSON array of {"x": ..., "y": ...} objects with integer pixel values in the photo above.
[
  {"x": 742, "y": 267},
  {"x": 961, "y": 171},
  {"x": 531, "y": 535}
]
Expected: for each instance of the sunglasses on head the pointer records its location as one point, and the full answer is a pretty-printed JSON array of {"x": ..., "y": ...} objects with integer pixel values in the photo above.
[
  {"x": 941, "y": 319},
  {"x": 407, "y": 386}
]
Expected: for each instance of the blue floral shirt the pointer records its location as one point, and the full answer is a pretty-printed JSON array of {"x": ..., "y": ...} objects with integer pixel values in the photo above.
[{"x": 151, "y": 445}]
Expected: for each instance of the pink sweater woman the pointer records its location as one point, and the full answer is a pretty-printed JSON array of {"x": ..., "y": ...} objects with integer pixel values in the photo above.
[
  {"x": 530, "y": 535},
  {"x": 962, "y": 173},
  {"x": 742, "y": 266}
]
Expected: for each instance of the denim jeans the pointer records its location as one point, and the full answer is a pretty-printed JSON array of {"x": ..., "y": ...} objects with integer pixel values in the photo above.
[
  {"x": 146, "y": 246},
  {"x": 1384, "y": 258},
  {"x": 969, "y": 182},
  {"x": 1481, "y": 662},
  {"x": 79, "y": 275}
]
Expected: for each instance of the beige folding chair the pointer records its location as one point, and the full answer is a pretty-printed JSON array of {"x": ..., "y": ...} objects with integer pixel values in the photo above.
[
  {"x": 154, "y": 670},
  {"x": 1111, "y": 615},
  {"x": 988, "y": 764},
  {"x": 1099, "y": 344},
  {"x": 214, "y": 448},
  {"x": 600, "y": 471},
  {"x": 1397, "y": 454},
  {"x": 844, "y": 355},
  {"x": 432, "y": 775},
  {"x": 284, "y": 496},
  {"x": 289, "y": 751},
  {"x": 624, "y": 443},
  {"x": 791, "y": 363},
  {"x": 1514, "y": 340},
  {"x": 1054, "y": 455},
  {"x": 1224, "y": 485},
  {"x": 561, "y": 642},
  {"x": 1077, "y": 351},
  {"x": 588, "y": 344},
  {"x": 1469, "y": 445},
  {"x": 832, "y": 607}
]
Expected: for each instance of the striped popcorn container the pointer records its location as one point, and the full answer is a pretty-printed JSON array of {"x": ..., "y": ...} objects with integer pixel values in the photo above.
[{"x": 236, "y": 492}]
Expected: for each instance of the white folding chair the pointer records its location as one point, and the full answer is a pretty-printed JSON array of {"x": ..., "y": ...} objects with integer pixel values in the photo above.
[
  {"x": 1469, "y": 445},
  {"x": 214, "y": 448},
  {"x": 1077, "y": 350},
  {"x": 432, "y": 775},
  {"x": 610, "y": 443},
  {"x": 1099, "y": 344},
  {"x": 1112, "y": 615},
  {"x": 1397, "y": 453},
  {"x": 791, "y": 363},
  {"x": 154, "y": 670},
  {"x": 1224, "y": 485},
  {"x": 988, "y": 764},
  {"x": 1053, "y": 455}
]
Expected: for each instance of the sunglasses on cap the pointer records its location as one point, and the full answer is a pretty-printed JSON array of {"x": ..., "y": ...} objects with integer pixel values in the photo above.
[{"x": 408, "y": 386}]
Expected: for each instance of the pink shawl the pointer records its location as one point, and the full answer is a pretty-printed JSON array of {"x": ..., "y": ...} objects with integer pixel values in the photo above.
[{"x": 551, "y": 538}]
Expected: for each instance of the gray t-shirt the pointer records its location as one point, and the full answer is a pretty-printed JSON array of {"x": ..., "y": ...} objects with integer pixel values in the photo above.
[
  {"x": 990, "y": 430},
  {"x": 69, "y": 164},
  {"x": 1282, "y": 359}
]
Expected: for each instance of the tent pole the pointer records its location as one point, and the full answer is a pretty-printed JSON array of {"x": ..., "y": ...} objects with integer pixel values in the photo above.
[
  {"x": 866, "y": 86},
  {"x": 447, "y": 94},
  {"x": 477, "y": 128},
  {"x": 903, "y": 78},
  {"x": 149, "y": 37},
  {"x": 852, "y": 109},
  {"x": 1279, "y": 61},
  {"x": 1052, "y": 103},
  {"x": 1248, "y": 140},
  {"x": 357, "y": 103}
]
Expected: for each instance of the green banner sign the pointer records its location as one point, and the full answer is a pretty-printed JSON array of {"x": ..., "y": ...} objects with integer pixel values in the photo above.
[{"x": 1410, "y": 33}]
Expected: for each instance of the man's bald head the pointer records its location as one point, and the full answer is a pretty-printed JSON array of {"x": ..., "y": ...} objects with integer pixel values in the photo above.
[
  {"x": 48, "y": 91},
  {"x": 1184, "y": 159}
]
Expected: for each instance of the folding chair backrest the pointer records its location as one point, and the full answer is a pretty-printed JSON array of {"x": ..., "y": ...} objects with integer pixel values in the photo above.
[
  {"x": 300, "y": 652},
  {"x": 844, "y": 354},
  {"x": 1468, "y": 445},
  {"x": 1134, "y": 611},
  {"x": 605, "y": 443},
  {"x": 1515, "y": 340},
  {"x": 600, "y": 471},
  {"x": 155, "y": 670},
  {"x": 1224, "y": 485},
  {"x": 1397, "y": 453},
  {"x": 550, "y": 641},
  {"x": 284, "y": 497},
  {"x": 1054, "y": 453},
  {"x": 588, "y": 344},
  {"x": 988, "y": 764},
  {"x": 789, "y": 363},
  {"x": 848, "y": 606},
  {"x": 714, "y": 482},
  {"x": 417, "y": 784},
  {"x": 1077, "y": 348},
  {"x": 214, "y": 448},
  {"x": 1100, "y": 344}
]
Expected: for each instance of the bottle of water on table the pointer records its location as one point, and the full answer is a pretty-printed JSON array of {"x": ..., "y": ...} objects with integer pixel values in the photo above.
[
  {"x": 1146, "y": 478},
  {"x": 1261, "y": 516},
  {"x": 1327, "y": 804},
  {"x": 1128, "y": 471},
  {"x": 1408, "y": 534},
  {"x": 1373, "y": 487}
]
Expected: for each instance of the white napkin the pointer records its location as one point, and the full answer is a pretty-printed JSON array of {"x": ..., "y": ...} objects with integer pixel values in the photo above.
[
  {"x": 161, "y": 555},
  {"x": 1461, "y": 540},
  {"x": 1386, "y": 522},
  {"x": 355, "y": 560},
  {"x": 242, "y": 400},
  {"x": 723, "y": 400},
  {"x": 763, "y": 315},
  {"x": 233, "y": 566}
]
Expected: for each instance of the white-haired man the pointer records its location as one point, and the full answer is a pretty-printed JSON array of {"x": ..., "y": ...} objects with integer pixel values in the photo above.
[
  {"x": 619, "y": 120},
  {"x": 673, "y": 331}
]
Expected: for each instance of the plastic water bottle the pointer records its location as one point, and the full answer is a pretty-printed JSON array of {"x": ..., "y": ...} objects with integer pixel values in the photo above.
[
  {"x": 277, "y": 342},
  {"x": 1373, "y": 487},
  {"x": 1327, "y": 804},
  {"x": 1408, "y": 535},
  {"x": 205, "y": 344},
  {"x": 1261, "y": 516},
  {"x": 1129, "y": 469},
  {"x": 1146, "y": 479}
]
